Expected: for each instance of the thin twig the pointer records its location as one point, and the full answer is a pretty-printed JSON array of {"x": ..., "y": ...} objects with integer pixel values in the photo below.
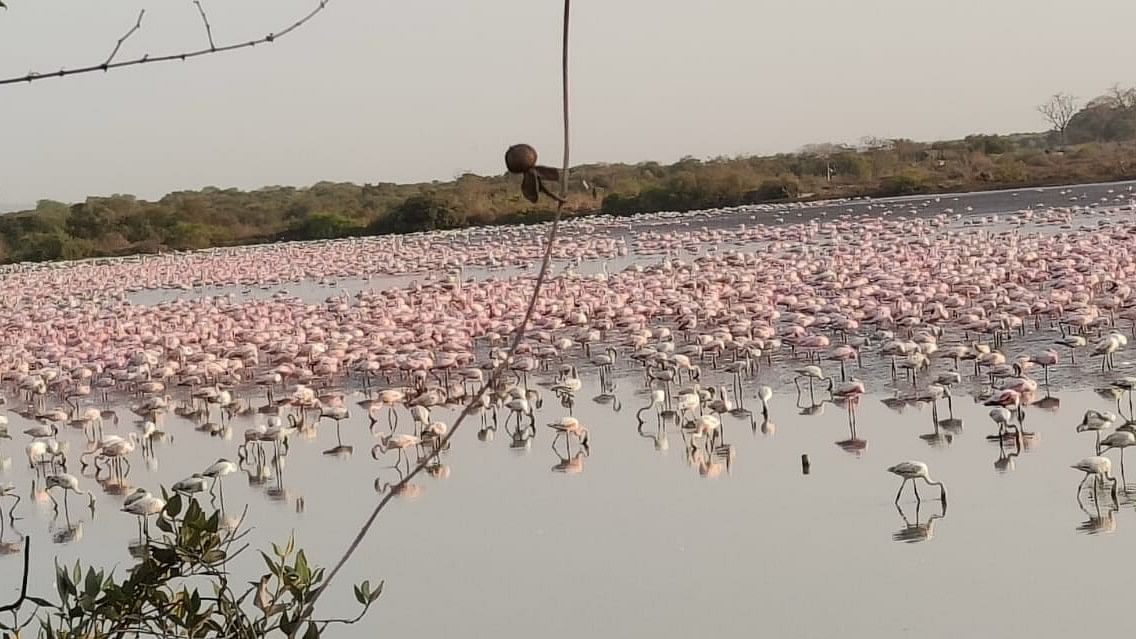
[
  {"x": 208, "y": 29},
  {"x": 498, "y": 371},
  {"x": 23, "y": 584},
  {"x": 168, "y": 57},
  {"x": 564, "y": 91},
  {"x": 118, "y": 45}
]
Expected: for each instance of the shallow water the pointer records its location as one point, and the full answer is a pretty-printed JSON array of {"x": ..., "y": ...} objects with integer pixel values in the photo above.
[
  {"x": 634, "y": 540},
  {"x": 638, "y": 541}
]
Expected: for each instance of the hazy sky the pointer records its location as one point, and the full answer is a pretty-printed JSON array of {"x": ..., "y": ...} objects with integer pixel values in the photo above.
[{"x": 413, "y": 90}]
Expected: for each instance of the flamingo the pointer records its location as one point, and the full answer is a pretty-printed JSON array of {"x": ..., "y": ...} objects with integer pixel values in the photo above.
[
  {"x": 570, "y": 427},
  {"x": 1098, "y": 467},
  {"x": 1119, "y": 439},
  {"x": 398, "y": 442},
  {"x": 911, "y": 471},
  {"x": 1096, "y": 421},
  {"x": 145, "y": 506},
  {"x": 69, "y": 483},
  {"x": 810, "y": 373}
]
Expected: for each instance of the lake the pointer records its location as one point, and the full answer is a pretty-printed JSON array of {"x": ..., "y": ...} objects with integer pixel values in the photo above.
[{"x": 637, "y": 536}]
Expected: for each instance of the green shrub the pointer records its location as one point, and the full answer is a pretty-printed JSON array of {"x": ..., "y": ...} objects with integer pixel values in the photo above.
[
  {"x": 182, "y": 587},
  {"x": 907, "y": 183},
  {"x": 783, "y": 188}
]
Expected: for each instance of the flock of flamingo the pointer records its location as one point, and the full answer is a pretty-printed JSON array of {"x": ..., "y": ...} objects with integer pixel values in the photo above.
[{"x": 702, "y": 313}]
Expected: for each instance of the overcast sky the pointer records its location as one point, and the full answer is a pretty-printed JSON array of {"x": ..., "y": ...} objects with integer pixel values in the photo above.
[{"x": 416, "y": 90}]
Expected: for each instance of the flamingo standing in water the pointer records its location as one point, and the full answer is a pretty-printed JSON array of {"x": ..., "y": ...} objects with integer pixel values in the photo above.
[
  {"x": 1096, "y": 421},
  {"x": 570, "y": 427},
  {"x": 1119, "y": 439},
  {"x": 912, "y": 471},
  {"x": 69, "y": 483},
  {"x": 1045, "y": 359},
  {"x": 143, "y": 507},
  {"x": 1098, "y": 467}
]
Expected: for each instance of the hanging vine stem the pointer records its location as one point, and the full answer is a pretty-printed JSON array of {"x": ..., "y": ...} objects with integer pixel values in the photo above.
[
  {"x": 167, "y": 57},
  {"x": 24, "y": 583},
  {"x": 500, "y": 369}
]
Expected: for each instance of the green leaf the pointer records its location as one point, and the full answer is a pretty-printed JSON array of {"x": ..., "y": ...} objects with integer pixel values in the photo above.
[
  {"x": 291, "y": 544},
  {"x": 61, "y": 582},
  {"x": 271, "y": 564},
  {"x": 375, "y": 595},
  {"x": 359, "y": 596},
  {"x": 194, "y": 516},
  {"x": 68, "y": 585},
  {"x": 302, "y": 569},
  {"x": 312, "y": 632},
  {"x": 288, "y": 626},
  {"x": 194, "y": 602},
  {"x": 276, "y": 551},
  {"x": 165, "y": 525},
  {"x": 173, "y": 506},
  {"x": 92, "y": 584}
]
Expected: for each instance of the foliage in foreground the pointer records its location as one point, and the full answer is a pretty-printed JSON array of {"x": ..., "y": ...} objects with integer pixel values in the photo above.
[{"x": 182, "y": 587}]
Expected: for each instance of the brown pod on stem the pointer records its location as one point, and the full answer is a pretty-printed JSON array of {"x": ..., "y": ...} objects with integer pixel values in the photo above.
[{"x": 521, "y": 159}]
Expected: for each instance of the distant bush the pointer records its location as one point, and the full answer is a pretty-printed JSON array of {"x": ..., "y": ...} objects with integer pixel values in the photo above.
[
  {"x": 907, "y": 183},
  {"x": 323, "y": 226},
  {"x": 782, "y": 188},
  {"x": 989, "y": 144},
  {"x": 420, "y": 213}
]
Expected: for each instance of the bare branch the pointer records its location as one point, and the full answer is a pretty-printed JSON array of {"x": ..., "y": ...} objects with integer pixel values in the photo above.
[
  {"x": 208, "y": 29},
  {"x": 118, "y": 45},
  {"x": 1059, "y": 111},
  {"x": 32, "y": 76}
]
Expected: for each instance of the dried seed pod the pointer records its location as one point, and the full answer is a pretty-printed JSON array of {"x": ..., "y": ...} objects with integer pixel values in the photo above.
[{"x": 520, "y": 158}]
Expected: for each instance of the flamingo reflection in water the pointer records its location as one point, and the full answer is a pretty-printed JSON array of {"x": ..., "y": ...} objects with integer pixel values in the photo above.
[
  {"x": 570, "y": 464},
  {"x": 70, "y": 532},
  {"x": 1005, "y": 461},
  {"x": 400, "y": 487},
  {"x": 658, "y": 437},
  {"x": 7, "y": 546},
  {"x": 1098, "y": 522},
  {"x": 920, "y": 530},
  {"x": 658, "y": 401},
  {"x": 8, "y": 489}
]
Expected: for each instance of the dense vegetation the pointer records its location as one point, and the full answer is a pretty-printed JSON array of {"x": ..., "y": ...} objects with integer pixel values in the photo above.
[{"x": 1101, "y": 139}]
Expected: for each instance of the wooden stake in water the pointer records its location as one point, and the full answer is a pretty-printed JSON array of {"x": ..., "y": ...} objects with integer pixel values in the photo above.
[{"x": 805, "y": 465}]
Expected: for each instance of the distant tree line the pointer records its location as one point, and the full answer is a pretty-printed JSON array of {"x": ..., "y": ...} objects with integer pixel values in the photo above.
[{"x": 1099, "y": 140}]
